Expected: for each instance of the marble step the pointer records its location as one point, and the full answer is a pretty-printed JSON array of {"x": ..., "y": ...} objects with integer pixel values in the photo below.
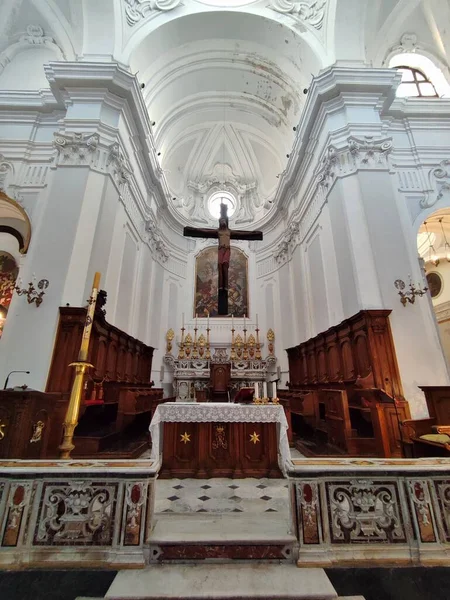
[
  {"x": 252, "y": 581},
  {"x": 206, "y": 536}
]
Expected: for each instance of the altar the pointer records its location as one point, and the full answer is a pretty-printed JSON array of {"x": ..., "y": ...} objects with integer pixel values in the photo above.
[{"x": 220, "y": 440}]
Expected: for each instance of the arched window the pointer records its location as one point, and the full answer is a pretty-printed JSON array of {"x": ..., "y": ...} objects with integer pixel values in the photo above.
[
  {"x": 421, "y": 77},
  {"x": 415, "y": 83},
  {"x": 8, "y": 276}
]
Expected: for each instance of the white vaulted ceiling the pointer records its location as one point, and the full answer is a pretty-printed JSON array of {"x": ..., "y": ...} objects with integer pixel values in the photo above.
[{"x": 225, "y": 90}]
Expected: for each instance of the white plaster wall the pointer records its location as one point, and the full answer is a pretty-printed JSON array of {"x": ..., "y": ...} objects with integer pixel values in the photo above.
[
  {"x": 26, "y": 70},
  {"x": 127, "y": 283},
  {"x": 417, "y": 344},
  {"x": 319, "y": 304}
]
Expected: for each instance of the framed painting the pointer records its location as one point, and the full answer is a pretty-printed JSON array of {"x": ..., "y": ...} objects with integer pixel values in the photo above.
[{"x": 206, "y": 280}]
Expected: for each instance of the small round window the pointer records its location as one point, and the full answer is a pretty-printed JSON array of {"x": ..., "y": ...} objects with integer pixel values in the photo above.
[
  {"x": 434, "y": 283},
  {"x": 219, "y": 198}
]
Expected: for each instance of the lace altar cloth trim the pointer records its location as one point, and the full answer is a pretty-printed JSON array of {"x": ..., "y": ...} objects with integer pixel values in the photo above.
[{"x": 221, "y": 412}]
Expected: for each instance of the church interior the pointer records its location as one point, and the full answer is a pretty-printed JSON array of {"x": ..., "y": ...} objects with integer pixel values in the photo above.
[{"x": 225, "y": 299}]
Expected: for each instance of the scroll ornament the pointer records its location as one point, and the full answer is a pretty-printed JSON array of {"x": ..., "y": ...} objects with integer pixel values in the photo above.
[
  {"x": 440, "y": 179},
  {"x": 312, "y": 13},
  {"x": 137, "y": 10}
]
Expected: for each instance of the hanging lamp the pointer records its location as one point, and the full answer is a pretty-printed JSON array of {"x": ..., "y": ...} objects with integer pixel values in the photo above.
[
  {"x": 433, "y": 255},
  {"x": 447, "y": 245}
]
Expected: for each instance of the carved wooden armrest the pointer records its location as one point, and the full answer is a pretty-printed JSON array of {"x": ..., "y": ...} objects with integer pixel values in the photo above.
[
  {"x": 414, "y": 428},
  {"x": 441, "y": 429}
]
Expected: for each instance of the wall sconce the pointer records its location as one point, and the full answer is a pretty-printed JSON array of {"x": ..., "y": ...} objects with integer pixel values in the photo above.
[
  {"x": 409, "y": 296},
  {"x": 32, "y": 294}
]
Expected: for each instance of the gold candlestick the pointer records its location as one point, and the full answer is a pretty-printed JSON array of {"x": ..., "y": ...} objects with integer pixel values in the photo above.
[
  {"x": 233, "y": 353},
  {"x": 181, "y": 350},
  {"x": 258, "y": 346},
  {"x": 208, "y": 349},
  {"x": 245, "y": 354},
  {"x": 81, "y": 366},
  {"x": 195, "y": 352}
]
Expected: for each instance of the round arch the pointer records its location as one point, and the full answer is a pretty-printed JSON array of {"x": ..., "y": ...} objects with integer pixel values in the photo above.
[{"x": 15, "y": 221}]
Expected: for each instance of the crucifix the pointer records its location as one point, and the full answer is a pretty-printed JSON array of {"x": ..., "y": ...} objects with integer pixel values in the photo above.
[{"x": 224, "y": 235}]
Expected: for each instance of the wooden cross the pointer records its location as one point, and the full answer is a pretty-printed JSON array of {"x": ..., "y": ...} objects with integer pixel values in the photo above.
[{"x": 224, "y": 234}]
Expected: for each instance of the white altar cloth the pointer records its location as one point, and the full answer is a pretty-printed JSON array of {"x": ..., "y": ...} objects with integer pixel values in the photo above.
[{"x": 221, "y": 412}]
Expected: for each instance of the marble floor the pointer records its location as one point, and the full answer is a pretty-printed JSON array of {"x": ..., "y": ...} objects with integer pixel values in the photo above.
[{"x": 222, "y": 495}]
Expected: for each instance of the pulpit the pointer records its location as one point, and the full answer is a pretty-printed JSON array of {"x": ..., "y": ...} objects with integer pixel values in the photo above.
[{"x": 220, "y": 375}]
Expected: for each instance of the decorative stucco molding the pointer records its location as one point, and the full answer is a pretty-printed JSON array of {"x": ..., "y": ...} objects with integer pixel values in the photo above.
[
  {"x": 310, "y": 13},
  {"x": 439, "y": 182},
  {"x": 34, "y": 36},
  {"x": 157, "y": 246},
  {"x": 283, "y": 251},
  {"x": 408, "y": 43},
  {"x": 222, "y": 178},
  {"x": 6, "y": 170},
  {"x": 76, "y": 148},
  {"x": 137, "y": 10},
  {"x": 354, "y": 155},
  {"x": 118, "y": 164},
  {"x": 357, "y": 154}
]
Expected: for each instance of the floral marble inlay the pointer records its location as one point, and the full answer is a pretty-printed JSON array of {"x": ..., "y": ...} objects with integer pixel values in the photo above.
[
  {"x": 364, "y": 511},
  {"x": 76, "y": 513}
]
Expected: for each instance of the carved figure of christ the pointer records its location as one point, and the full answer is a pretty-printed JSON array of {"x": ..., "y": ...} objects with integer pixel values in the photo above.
[{"x": 224, "y": 234}]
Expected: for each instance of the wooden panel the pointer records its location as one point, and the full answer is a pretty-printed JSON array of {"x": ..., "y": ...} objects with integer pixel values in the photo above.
[
  {"x": 239, "y": 450},
  {"x": 358, "y": 354},
  {"x": 30, "y": 424},
  {"x": 115, "y": 355}
]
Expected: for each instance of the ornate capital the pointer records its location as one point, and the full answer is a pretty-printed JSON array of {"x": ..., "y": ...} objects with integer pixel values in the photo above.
[
  {"x": 138, "y": 10},
  {"x": 76, "y": 148},
  {"x": 311, "y": 12},
  {"x": 356, "y": 155}
]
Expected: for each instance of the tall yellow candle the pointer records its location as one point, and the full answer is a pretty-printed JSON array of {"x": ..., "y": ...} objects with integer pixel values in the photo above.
[{"x": 83, "y": 354}]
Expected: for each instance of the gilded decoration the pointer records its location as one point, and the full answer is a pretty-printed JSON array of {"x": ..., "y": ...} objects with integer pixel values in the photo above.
[
  {"x": 38, "y": 429},
  {"x": 219, "y": 440},
  {"x": 206, "y": 282},
  {"x": 169, "y": 339}
]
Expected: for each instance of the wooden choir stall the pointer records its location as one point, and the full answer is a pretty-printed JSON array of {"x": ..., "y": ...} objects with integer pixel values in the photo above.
[
  {"x": 118, "y": 401},
  {"x": 345, "y": 394}
]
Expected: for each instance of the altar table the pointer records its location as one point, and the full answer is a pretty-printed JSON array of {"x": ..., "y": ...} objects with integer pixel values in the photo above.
[{"x": 220, "y": 440}]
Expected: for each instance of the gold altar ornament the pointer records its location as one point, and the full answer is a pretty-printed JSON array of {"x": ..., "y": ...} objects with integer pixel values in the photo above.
[
  {"x": 185, "y": 437},
  {"x": 2, "y": 430},
  {"x": 169, "y": 338},
  {"x": 254, "y": 438},
  {"x": 81, "y": 367},
  {"x": 270, "y": 338},
  {"x": 38, "y": 428}
]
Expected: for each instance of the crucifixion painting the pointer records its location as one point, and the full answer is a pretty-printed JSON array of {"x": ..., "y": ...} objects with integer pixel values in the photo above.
[{"x": 224, "y": 234}]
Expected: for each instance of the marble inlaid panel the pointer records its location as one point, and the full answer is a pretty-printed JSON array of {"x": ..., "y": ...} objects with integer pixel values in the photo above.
[
  {"x": 364, "y": 511},
  {"x": 18, "y": 501},
  {"x": 76, "y": 513},
  {"x": 442, "y": 488},
  {"x": 419, "y": 495}
]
